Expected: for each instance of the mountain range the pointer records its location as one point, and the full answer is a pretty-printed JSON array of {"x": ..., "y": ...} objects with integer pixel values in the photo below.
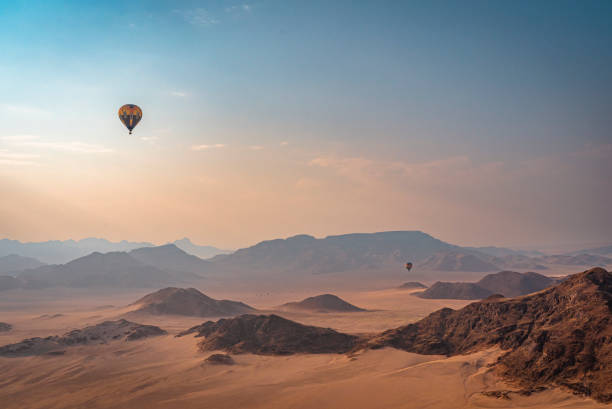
[
  {"x": 146, "y": 267},
  {"x": 382, "y": 254},
  {"x": 14, "y": 263},
  {"x": 60, "y": 252}
]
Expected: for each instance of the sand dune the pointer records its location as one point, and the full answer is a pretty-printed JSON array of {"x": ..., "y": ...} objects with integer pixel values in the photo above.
[{"x": 168, "y": 372}]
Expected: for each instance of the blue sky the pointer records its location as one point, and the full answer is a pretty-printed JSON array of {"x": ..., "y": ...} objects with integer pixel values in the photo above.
[{"x": 406, "y": 83}]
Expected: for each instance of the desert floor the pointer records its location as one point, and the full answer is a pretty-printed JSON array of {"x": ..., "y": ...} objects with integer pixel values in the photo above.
[{"x": 169, "y": 372}]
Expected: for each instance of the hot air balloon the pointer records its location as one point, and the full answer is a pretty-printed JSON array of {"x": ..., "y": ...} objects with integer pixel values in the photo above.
[
  {"x": 408, "y": 266},
  {"x": 130, "y": 115}
]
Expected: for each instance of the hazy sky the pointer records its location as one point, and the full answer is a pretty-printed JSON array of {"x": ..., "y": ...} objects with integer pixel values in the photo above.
[{"x": 479, "y": 122}]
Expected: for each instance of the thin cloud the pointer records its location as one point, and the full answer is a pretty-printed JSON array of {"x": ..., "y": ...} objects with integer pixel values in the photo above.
[
  {"x": 197, "y": 17},
  {"x": 25, "y": 110},
  {"x": 239, "y": 8},
  {"x": 206, "y": 147},
  {"x": 17, "y": 159},
  {"x": 75, "y": 147},
  {"x": 256, "y": 147},
  {"x": 15, "y": 162},
  {"x": 284, "y": 143},
  {"x": 17, "y": 138},
  {"x": 149, "y": 138},
  {"x": 178, "y": 94}
]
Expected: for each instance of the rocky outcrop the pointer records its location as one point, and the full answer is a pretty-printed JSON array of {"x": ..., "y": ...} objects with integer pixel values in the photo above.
[
  {"x": 561, "y": 335},
  {"x": 269, "y": 335},
  {"x": 412, "y": 285},
  {"x": 322, "y": 303},
  {"x": 103, "y": 333},
  {"x": 513, "y": 284},
  {"x": 220, "y": 359}
]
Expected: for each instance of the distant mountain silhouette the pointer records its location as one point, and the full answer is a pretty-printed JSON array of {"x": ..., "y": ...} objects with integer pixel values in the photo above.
[
  {"x": 455, "y": 291},
  {"x": 469, "y": 260},
  {"x": 602, "y": 251},
  {"x": 60, "y": 252},
  {"x": 502, "y": 251},
  {"x": 507, "y": 283},
  {"x": 103, "y": 333},
  {"x": 322, "y": 303},
  {"x": 578, "y": 260},
  {"x": 4, "y": 327},
  {"x": 171, "y": 258},
  {"x": 457, "y": 261},
  {"x": 518, "y": 262},
  {"x": 203, "y": 252},
  {"x": 14, "y": 263},
  {"x": 189, "y": 301},
  {"x": 560, "y": 336},
  {"x": 115, "y": 269},
  {"x": 269, "y": 335},
  {"x": 10, "y": 283},
  {"x": 306, "y": 254}
]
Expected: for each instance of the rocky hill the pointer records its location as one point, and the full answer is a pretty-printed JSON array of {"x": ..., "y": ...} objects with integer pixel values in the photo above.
[
  {"x": 269, "y": 335},
  {"x": 188, "y": 301},
  {"x": 455, "y": 291},
  {"x": 108, "y": 331},
  {"x": 508, "y": 283},
  {"x": 513, "y": 284},
  {"x": 412, "y": 285},
  {"x": 322, "y": 303},
  {"x": 561, "y": 335}
]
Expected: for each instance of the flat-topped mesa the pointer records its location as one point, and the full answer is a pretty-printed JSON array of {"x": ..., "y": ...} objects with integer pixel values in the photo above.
[
  {"x": 322, "y": 303},
  {"x": 270, "y": 335},
  {"x": 190, "y": 302},
  {"x": 561, "y": 335},
  {"x": 108, "y": 331}
]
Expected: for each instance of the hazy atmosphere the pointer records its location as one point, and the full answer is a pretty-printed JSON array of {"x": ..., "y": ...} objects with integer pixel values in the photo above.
[
  {"x": 480, "y": 123},
  {"x": 277, "y": 204}
]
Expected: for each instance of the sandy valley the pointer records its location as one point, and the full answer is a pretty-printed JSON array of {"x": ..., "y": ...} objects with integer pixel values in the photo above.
[{"x": 169, "y": 372}]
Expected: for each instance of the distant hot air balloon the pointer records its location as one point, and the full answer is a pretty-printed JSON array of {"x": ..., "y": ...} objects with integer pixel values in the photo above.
[
  {"x": 130, "y": 115},
  {"x": 408, "y": 266}
]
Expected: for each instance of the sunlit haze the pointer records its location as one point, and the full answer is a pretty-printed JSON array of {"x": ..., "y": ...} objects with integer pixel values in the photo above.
[{"x": 480, "y": 123}]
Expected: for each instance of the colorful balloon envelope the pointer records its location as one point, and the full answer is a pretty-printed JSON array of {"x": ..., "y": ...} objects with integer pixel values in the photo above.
[
  {"x": 130, "y": 115},
  {"x": 408, "y": 266}
]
